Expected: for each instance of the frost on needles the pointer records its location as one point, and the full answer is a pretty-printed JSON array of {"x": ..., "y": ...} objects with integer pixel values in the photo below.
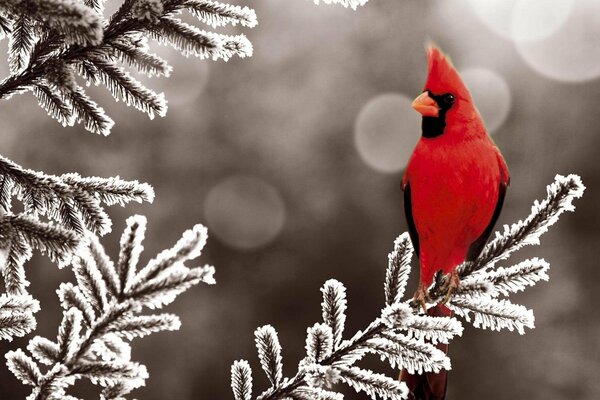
[
  {"x": 354, "y": 4},
  {"x": 55, "y": 213},
  {"x": 103, "y": 313},
  {"x": 55, "y": 43},
  {"x": 400, "y": 334}
]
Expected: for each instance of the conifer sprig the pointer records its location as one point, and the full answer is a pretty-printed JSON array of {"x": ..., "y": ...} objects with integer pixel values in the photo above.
[
  {"x": 73, "y": 203},
  {"x": 52, "y": 41},
  {"x": 102, "y": 314},
  {"x": 70, "y": 203},
  {"x": 354, "y": 4},
  {"x": 401, "y": 335}
]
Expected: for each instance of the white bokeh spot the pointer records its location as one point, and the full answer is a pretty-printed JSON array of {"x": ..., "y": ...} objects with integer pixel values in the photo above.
[
  {"x": 571, "y": 54},
  {"x": 491, "y": 95},
  {"x": 523, "y": 20},
  {"x": 386, "y": 131},
  {"x": 244, "y": 211},
  {"x": 537, "y": 19}
]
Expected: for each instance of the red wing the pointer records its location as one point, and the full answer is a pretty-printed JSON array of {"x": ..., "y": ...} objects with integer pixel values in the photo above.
[{"x": 477, "y": 246}]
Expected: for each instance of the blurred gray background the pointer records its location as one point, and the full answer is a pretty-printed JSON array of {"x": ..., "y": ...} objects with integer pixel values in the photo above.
[{"x": 294, "y": 157}]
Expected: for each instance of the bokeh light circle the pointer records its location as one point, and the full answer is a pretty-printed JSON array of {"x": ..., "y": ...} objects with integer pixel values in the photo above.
[
  {"x": 244, "y": 211},
  {"x": 571, "y": 54},
  {"x": 537, "y": 19},
  {"x": 491, "y": 95},
  {"x": 495, "y": 14},
  {"x": 523, "y": 20},
  {"x": 386, "y": 131}
]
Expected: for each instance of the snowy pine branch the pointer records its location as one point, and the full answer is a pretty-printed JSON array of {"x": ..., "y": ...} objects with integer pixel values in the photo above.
[
  {"x": 560, "y": 196},
  {"x": 102, "y": 314},
  {"x": 70, "y": 203},
  {"x": 354, "y": 4},
  {"x": 401, "y": 335},
  {"x": 16, "y": 315},
  {"x": 52, "y": 41}
]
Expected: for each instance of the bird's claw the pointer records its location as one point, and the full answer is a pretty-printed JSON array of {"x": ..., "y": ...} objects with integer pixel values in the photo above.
[
  {"x": 452, "y": 285},
  {"x": 421, "y": 297}
]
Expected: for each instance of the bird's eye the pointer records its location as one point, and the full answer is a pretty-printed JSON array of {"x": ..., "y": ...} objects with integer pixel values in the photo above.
[{"x": 449, "y": 98}]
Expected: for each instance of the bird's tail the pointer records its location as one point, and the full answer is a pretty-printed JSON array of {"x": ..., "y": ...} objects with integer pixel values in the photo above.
[{"x": 429, "y": 386}]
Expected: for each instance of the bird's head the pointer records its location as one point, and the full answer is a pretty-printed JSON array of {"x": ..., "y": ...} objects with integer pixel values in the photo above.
[{"x": 445, "y": 101}]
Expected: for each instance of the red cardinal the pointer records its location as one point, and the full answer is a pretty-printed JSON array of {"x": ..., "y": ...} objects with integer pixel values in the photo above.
[{"x": 454, "y": 188}]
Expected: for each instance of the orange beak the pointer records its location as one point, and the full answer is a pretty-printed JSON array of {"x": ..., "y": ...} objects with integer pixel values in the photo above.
[{"x": 426, "y": 105}]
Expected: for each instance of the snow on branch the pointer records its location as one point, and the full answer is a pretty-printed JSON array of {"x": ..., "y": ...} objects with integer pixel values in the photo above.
[
  {"x": 103, "y": 313},
  {"x": 400, "y": 334},
  {"x": 354, "y": 4},
  {"x": 52, "y": 41},
  {"x": 72, "y": 205},
  {"x": 544, "y": 214},
  {"x": 16, "y": 315}
]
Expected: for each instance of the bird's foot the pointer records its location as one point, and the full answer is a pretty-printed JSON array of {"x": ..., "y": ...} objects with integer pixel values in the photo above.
[
  {"x": 421, "y": 297},
  {"x": 452, "y": 285}
]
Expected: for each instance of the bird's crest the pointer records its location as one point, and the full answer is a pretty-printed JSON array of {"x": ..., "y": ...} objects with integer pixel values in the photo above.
[{"x": 442, "y": 77}]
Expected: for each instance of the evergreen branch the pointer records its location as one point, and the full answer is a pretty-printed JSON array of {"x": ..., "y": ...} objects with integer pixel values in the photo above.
[
  {"x": 16, "y": 324},
  {"x": 111, "y": 348},
  {"x": 124, "y": 87},
  {"x": 54, "y": 241},
  {"x": 98, "y": 322},
  {"x": 76, "y": 21},
  {"x": 131, "y": 248},
  {"x": 105, "y": 266},
  {"x": 90, "y": 282},
  {"x": 58, "y": 37},
  {"x": 402, "y": 351},
  {"x": 319, "y": 342},
  {"x": 354, "y": 4},
  {"x": 162, "y": 290},
  {"x": 374, "y": 385},
  {"x": 438, "y": 330},
  {"x": 217, "y": 14},
  {"x": 187, "y": 248},
  {"x": 516, "y": 278},
  {"x": 493, "y": 314},
  {"x": 86, "y": 111},
  {"x": 71, "y": 296},
  {"x": 314, "y": 393},
  {"x": 398, "y": 269},
  {"x": 137, "y": 55},
  {"x": 334, "y": 308},
  {"x": 241, "y": 380},
  {"x": 544, "y": 214},
  {"x": 23, "y": 367},
  {"x": 188, "y": 39},
  {"x": 54, "y": 104},
  {"x": 16, "y": 315},
  {"x": 143, "y": 325},
  {"x": 111, "y": 191},
  {"x": 20, "y": 43},
  {"x": 72, "y": 201},
  {"x": 269, "y": 353}
]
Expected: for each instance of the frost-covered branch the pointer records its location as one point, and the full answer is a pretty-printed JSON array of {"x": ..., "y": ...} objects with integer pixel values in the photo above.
[
  {"x": 102, "y": 314},
  {"x": 52, "y": 41},
  {"x": 71, "y": 204},
  {"x": 354, "y": 4},
  {"x": 400, "y": 334}
]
